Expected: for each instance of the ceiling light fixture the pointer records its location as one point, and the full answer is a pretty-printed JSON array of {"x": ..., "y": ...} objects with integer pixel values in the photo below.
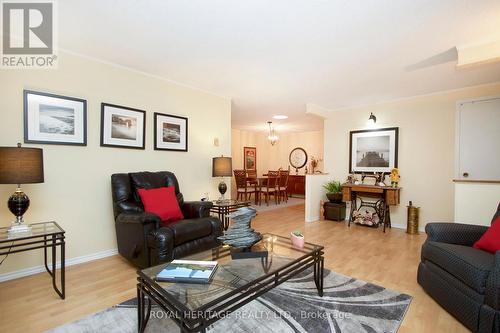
[
  {"x": 272, "y": 137},
  {"x": 280, "y": 117}
]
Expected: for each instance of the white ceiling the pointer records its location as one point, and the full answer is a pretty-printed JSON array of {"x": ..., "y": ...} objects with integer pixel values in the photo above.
[{"x": 274, "y": 56}]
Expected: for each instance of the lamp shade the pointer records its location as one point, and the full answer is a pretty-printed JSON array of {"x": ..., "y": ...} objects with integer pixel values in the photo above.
[
  {"x": 21, "y": 165},
  {"x": 222, "y": 167}
]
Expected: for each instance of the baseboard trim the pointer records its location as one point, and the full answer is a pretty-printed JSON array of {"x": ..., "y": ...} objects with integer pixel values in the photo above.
[
  {"x": 312, "y": 219},
  {"x": 70, "y": 262},
  {"x": 402, "y": 226},
  {"x": 396, "y": 226}
]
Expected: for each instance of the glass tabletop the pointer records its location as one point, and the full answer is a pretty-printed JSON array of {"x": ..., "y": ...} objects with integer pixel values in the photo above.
[
  {"x": 231, "y": 274},
  {"x": 229, "y": 203},
  {"x": 37, "y": 230}
]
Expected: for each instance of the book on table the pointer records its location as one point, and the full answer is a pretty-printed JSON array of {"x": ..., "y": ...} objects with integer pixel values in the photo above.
[{"x": 189, "y": 271}]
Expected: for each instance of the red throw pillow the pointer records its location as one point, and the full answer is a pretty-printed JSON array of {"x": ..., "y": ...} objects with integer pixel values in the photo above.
[
  {"x": 490, "y": 241},
  {"x": 162, "y": 202}
]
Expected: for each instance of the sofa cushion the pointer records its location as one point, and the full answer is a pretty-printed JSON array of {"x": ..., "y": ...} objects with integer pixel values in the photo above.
[
  {"x": 162, "y": 202},
  {"x": 190, "y": 229},
  {"x": 469, "y": 265},
  {"x": 490, "y": 241}
]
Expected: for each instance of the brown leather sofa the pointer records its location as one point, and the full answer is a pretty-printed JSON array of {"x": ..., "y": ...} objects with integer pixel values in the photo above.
[{"x": 140, "y": 236}]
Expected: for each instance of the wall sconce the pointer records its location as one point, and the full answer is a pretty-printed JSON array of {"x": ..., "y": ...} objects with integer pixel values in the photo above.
[{"x": 372, "y": 119}]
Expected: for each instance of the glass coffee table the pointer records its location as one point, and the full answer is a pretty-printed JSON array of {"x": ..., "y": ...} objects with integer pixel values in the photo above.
[{"x": 194, "y": 307}]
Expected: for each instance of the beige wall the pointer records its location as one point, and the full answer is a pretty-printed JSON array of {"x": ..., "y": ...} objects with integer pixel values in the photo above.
[
  {"x": 273, "y": 157},
  {"x": 76, "y": 192},
  {"x": 426, "y": 148},
  {"x": 476, "y": 203}
]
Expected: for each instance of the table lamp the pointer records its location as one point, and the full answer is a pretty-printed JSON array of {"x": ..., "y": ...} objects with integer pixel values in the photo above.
[
  {"x": 222, "y": 167},
  {"x": 20, "y": 166}
]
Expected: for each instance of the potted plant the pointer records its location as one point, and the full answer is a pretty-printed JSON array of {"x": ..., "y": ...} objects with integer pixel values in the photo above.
[
  {"x": 333, "y": 191},
  {"x": 297, "y": 238}
]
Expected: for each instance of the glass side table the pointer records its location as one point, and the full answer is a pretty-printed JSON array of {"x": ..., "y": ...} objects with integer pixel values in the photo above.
[
  {"x": 225, "y": 207},
  {"x": 42, "y": 235}
]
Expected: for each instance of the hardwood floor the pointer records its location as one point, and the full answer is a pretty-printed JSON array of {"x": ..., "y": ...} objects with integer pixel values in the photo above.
[{"x": 30, "y": 305}]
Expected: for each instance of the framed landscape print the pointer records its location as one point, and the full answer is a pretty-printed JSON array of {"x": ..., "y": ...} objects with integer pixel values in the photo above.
[
  {"x": 122, "y": 127},
  {"x": 54, "y": 119},
  {"x": 171, "y": 132},
  {"x": 250, "y": 158},
  {"x": 373, "y": 150}
]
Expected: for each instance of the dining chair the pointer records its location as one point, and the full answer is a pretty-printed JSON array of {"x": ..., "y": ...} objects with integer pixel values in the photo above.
[
  {"x": 252, "y": 177},
  {"x": 243, "y": 189},
  {"x": 270, "y": 187},
  {"x": 283, "y": 185}
]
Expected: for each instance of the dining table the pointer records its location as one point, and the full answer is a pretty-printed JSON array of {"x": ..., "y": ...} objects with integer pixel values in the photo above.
[{"x": 259, "y": 182}]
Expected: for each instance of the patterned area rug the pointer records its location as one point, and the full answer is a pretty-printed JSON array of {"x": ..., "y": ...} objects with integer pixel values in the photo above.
[{"x": 348, "y": 305}]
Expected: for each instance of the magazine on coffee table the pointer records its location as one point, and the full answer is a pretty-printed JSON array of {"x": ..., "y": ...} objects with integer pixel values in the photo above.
[{"x": 189, "y": 271}]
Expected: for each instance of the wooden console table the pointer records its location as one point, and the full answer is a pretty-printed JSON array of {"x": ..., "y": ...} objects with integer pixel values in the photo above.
[{"x": 387, "y": 196}]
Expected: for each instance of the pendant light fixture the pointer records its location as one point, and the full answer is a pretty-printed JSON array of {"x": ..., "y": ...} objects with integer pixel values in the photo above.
[{"x": 272, "y": 137}]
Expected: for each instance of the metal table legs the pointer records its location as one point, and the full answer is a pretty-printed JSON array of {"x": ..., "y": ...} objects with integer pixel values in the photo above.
[{"x": 53, "y": 244}]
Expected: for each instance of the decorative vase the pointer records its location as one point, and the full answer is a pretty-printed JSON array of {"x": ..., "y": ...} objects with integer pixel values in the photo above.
[
  {"x": 297, "y": 241},
  {"x": 334, "y": 197}
]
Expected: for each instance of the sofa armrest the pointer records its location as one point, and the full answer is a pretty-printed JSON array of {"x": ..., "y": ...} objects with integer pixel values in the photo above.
[
  {"x": 217, "y": 229},
  {"x": 132, "y": 230},
  {"x": 139, "y": 218},
  {"x": 492, "y": 294},
  {"x": 161, "y": 245},
  {"x": 196, "y": 209},
  {"x": 454, "y": 233}
]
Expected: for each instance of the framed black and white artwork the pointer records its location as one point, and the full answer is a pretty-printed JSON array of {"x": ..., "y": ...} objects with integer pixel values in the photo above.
[
  {"x": 373, "y": 150},
  {"x": 54, "y": 119},
  {"x": 122, "y": 127},
  {"x": 171, "y": 132}
]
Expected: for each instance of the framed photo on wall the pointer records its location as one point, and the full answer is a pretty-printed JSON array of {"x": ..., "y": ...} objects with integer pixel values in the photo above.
[
  {"x": 171, "y": 132},
  {"x": 54, "y": 119},
  {"x": 373, "y": 150},
  {"x": 122, "y": 127},
  {"x": 250, "y": 158}
]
